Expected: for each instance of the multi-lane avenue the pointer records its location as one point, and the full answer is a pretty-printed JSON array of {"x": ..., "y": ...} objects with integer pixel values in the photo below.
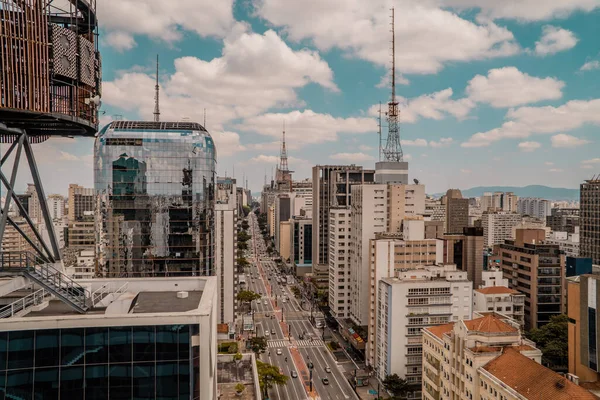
[{"x": 294, "y": 343}]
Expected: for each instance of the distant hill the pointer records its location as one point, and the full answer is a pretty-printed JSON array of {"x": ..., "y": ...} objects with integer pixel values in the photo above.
[{"x": 544, "y": 192}]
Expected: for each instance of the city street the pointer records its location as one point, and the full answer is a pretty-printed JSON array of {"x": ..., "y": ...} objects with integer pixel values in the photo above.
[{"x": 285, "y": 336}]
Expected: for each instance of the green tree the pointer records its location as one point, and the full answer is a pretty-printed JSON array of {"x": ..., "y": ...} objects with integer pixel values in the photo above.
[
  {"x": 243, "y": 237},
  {"x": 269, "y": 375},
  {"x": 242, "y": 262},
  {"x": 245, "y": 225},
  {"x": 242, "y": 246},
  {"x": 552, "y": 339},
  {"x": 246, "y": 210},
  {"x": 258, "y": 344},
  {"x": 247, "y": 296},
  {"x": 395, "y": 385}
]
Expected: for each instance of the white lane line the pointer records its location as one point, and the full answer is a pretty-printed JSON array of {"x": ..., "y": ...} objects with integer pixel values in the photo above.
[{"x": 320, "y": 351}]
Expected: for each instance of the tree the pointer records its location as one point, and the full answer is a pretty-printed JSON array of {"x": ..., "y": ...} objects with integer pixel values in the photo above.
[
  {"x": 258, "y": 344},
  {"x": 552, "y": 339},
  {"x": 395, "y": 385},
  {"x": 247, "y": 296},
  {"x": 242, "y": 262},
  {"x": 245, "y": 225},
  {"x": 242, "y": 246},
  {"x": 243, "y": 237},
  {"x": 268, "y": 375}
]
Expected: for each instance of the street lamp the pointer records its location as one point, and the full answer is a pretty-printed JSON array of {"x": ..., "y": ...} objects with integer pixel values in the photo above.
[{"x": 310, "y": 369}]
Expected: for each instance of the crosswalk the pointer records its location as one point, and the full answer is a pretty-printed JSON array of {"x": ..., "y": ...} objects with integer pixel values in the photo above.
[{"x": 299, "y": 343}]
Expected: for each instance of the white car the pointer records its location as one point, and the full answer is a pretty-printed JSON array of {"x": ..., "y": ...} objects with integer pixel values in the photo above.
[
  {"x": 265, "y": 302},
  {"x": 279, "y": 352},
  {"x": 267, "y": 333}
]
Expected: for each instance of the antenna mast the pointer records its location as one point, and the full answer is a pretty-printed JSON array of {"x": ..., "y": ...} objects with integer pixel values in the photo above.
[
  {"x": 204, "y": 123},
  {"x": 393, "y": 148},
  {"x": 379, "y": 133},
  {"x": 284, "y": 158},
  {"x": 156, "y": 106}
]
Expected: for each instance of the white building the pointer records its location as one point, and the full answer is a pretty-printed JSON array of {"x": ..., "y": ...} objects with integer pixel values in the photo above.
[
  {"x": 416, "y": 299},
  {"x": 339, "y": 264},
  {"x": 534, "y": 206},
  {"x": 34, "y": 207},
  {"x": 493, "y": 277},
  {"x": 501, "y": 300},
  {"x": 84, "y": 267},
  {"x": 498, "y": 226},
  {"x": 149, "y": 331},
  {"x": 568, "y": 242},
  {"x": 435, "y": 209},
  {"x": 303, "y": 189},
  {"x": 376, "y": 208},
  {"x": 56, "y": 206},
  {"x": 499, "y": 200},
  {"x": 226, "y": 220}
]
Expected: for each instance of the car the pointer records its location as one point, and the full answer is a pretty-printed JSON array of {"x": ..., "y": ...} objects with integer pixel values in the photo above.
[
  {"x": 272, "y": 331},
  {"x": 293, "y": 374},
  {"x": 327, "y": 369},
  {"x": 283, "y": 301},
  {"x": 265, "y": 302},
  {"x": 279, "y": 352},
  {"x": 325, "y": 381},
  {"x": 267, "y": 333}
]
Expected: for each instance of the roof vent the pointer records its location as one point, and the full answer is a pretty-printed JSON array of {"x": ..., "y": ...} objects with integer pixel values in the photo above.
[
  {"x": 560, "y": 384},
  {"x": 182, "y": 295}
]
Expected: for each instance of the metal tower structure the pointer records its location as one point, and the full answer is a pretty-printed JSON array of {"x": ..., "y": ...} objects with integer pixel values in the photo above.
[
  {"x": 379, "y": 133},
  {"x": 156, "y": 96},
  {"x": 283, "y": 163},
  {"x": 393, "y": 147}
]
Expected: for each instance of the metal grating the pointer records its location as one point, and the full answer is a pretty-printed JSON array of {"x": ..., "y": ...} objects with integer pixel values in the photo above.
[
  {"x": 64, "y": 51},
  {"x": 87, "y": 61},
  {"x": 194, "y": 126}
]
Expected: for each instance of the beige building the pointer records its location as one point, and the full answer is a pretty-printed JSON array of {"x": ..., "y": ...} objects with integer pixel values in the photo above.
[
  {"x": 82, "y": 233},
  {"x": 487, "y": 358},
  {"x": 498, "y": 226},
  {"x": 339, "y": 266},
  {"x": 285, "y": 239},
  {"x": 466, "y": 251},
  {"x": 537, "y": 270},
  {"x": 81, "y": 200},
  {"x": 501, "y": 300},
  {"x": 13, "y": 240},
  {"x": 271, "y": 219}
]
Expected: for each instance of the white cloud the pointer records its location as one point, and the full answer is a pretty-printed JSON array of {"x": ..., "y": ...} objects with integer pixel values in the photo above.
[
  {"x": 120, "y": 41},
  {"x": 554, "y": 39},
  {"x": 592, "y": 161},
  {"x": 363, "y": 147},
  {"x": 407, "y": 157},
  {"x": 264, "y": 159},
  {"x": 307, "y": 127},
  {"x": 525, "y": 10},
  {"x": 443, "y": 142},
  {"x": 555, "y": 170},
  {"x": 529, "y": 146},
  {"x": 525, "y": 121},
  {"x": 227, "y": 143},
  {"x": 255, "y": 73},
  {"x": 564, "y": 140},
  {"x": 549, "y": 163},
  {"x": 435, "y": 106},
  {"x": 351, "y": 157},
  {"x": 508, "y": 87},
  {"x": 465, "y": 171},
  {"x": 587, "y": 166},
  {"x": 590, "y": 65},
  {"x": 427, "y": 36},
  {"x": 416, "y": 143},
  {"x": 166, "y": 20}
]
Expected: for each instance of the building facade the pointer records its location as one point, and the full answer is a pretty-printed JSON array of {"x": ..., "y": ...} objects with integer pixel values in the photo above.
[
  {"x": 466, "y": 251},
  {"x": 339, "y": 262},
  {"x": 567, "y": 242},
  {"x": 155, "y": 186},
  {"x": 563, "y": 219},
  {"x": 457, "y": 212},
  {"x": 500, "y": 300},
  {"x": 534, "y": 207},
  {"x": 56, "y": 206},
  {"x": 590, "y": 220},
  {"x": 81, "y": 201},
  {"x": 498, "y": 226},
  {"x": 301, "y": 237}
]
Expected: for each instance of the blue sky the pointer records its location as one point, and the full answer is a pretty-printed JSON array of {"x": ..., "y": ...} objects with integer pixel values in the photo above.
[{"x": 504, "y": 95}]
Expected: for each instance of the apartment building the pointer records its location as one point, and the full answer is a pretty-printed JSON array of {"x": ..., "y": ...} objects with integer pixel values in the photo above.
[
  {"x": 466, "y": 251},
  {"x": 339, "y": 264},
  {"x": 81, "y": 201},
  {"x": 56, "y": 206},
  {"x": 537, "y": 270},
  {"x": 498, "y": 226},
  {"x": 301, "y": 237},
  {"x": 457, "y": 212},
  {"x": 534, "y": 206},
  {"x": 501, "y": 300},
  {"x": 499, "y": 201},
  {"x": 416, "y": 299},
  {"x": 81, "y": 233},
  {"x": 590, "y": 219},
  {"x": 563, "y": 219},
  {"x": 567, "y": 242}
]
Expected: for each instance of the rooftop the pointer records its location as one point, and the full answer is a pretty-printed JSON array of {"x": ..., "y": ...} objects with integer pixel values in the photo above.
[
  {"x": 490, "y": 323},
  {"x": 496, "y": 290},
  {"x": 439, "y": 330},
  {"x": 532, "y": 380}
]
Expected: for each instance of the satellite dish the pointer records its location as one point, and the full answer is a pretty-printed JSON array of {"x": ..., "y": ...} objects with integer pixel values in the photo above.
[{"x": 416, "y": 181}]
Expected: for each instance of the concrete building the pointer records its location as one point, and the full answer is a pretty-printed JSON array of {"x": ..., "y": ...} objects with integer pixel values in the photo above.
[
  {"x": 466, "y": 251},
  {"x": 339, "y": 262},
  {"x": 563, "y": 219},
  {"x": 416, "y": 299},
  {"x": 578, "y": 266},
  {"x": 457, "y": 212},
  {"x": 501, "y": 300},
  {"x": 34, "y": 208},
  {"x": 271, "y": 221},
  {"x": 391, "y": 172},
  {"x": 142, "y": 338},
  {"x": 60, "y": 229},
  {"x": 301, "y": 241},
  {"x": 81, "y": 233},
  {"x": 488, "y": 358},
  {"x": 304, "y": 190},
  {"x": 81, "y": 201},
  {"x": 567, "y": 242},
  {"x": 534, "y": 207},
  {"x": 499, "y": 201},
  {"x": 285, "y": 239},
  {"x": 590, "y": 220},
  {"x": 56, "y": 206},
  {"x": 226, "y": 223},
  {"x": 493, "y": 276},
  {"x": 538, "y": 270},
  {"x": 84, "y": 266},
  {"x": 498, "y": 226},
  {"x": 435, "y": 210},
  {"x": 332, "y": 187},
  {"x": 284, "y": 209},
  {"x": 13, "y": 241}
]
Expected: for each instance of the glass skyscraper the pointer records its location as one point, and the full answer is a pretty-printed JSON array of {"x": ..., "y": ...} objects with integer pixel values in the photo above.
[{"x": 154, "y": 184}]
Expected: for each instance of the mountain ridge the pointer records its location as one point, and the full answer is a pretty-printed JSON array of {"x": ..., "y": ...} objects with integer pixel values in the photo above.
[{"x": 545, "y": 192}]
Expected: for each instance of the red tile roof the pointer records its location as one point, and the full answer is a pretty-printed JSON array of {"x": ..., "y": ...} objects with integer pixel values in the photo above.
[
  {"x": 222, "y": 328},
  {"x": 490, "y": 323},
  {"x": 532, "y": 380},
  {"x": 439, "y": 330},
  {"x": 496, "y": 290}
]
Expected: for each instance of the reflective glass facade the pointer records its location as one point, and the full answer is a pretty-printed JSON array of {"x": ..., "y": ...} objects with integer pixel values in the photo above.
[
  {"x": 139, "y": 362},
  {"x": 154, "y": 185}
]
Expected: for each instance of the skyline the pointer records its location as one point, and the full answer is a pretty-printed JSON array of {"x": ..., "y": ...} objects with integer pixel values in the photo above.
[{"x": 510, "y": 89}]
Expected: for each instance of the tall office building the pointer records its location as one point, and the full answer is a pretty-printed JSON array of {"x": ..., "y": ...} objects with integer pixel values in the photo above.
[
  {"x": 538, "y": 270},
  {"x": 339, "y": 262},
  {"x": 590, "y": 220},
  {"x": 332, "y": 187},
  {"x": 81, "y": 234},
  {"x": 563, "y": 219},
  {"x": 498, "y": 226},
  {"x": 499, "y": 201},
  {"x": 226, "y": 221},
  {"x": 56, "y": 206},
  {"x": 81, "y": 200},
  {"x": 155, "y": 184},
  {"x": 534, "y": 206},
  {"x": 466, "y": 251},
  {"x": 457, "y": 211},
  {"x": 301, "y": 241}
]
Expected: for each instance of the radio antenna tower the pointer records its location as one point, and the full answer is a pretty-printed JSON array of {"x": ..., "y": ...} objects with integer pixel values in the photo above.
[
  {"x": 156, "y": 107},
  {"x": 393, "y": 148},
  {"x": 379, "y": 133},
  {"x": 283, "y": 158}
]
